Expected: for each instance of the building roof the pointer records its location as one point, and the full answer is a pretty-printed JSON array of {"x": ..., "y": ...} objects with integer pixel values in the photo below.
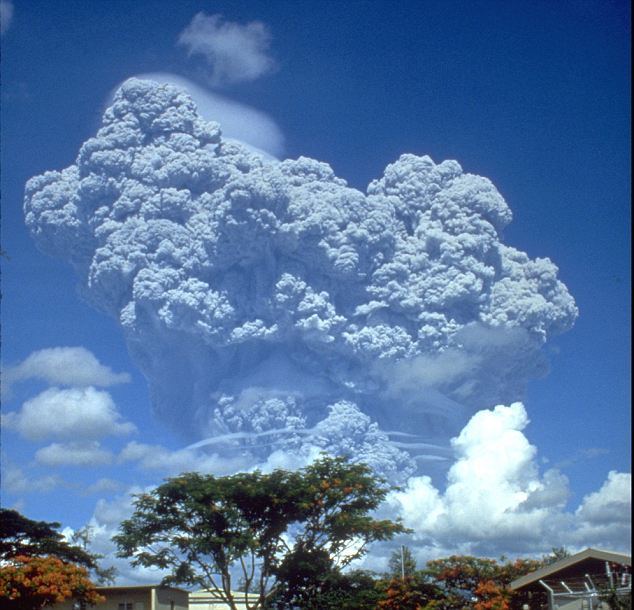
[
  {"x": 203, "y": 595},
  {"x": 117, "y": 588},
  {"x": 568, "y": 564}
]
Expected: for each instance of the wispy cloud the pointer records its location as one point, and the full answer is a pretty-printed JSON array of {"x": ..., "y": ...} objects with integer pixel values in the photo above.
[
  {"x": 171, "y": 462},
  {"x": 104, "y": 486},
  {"x": 74, "y": 454},
  {"x": 17, "y": 482},
  {"x": 232, "y": 52},
  {"x": 6, "y": 15}
]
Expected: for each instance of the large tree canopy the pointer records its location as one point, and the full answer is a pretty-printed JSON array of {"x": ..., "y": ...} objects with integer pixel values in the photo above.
[{"x": 279, "y": 533}]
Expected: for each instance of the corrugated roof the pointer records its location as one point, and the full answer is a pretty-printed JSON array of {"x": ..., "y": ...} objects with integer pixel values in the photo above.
[
  {"x": 117, "y": 588},
  {"x": 209, "y": 594},
  {"x": 567, "y": 562}
]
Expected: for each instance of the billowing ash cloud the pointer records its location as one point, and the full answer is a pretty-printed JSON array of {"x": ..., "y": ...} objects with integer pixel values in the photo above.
[
  {"x": 249, "y": 126},
  {"x": 274, "y": 308}
]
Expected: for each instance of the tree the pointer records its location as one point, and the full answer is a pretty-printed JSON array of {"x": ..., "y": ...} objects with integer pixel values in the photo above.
[
  {"x": 20, "y": 536},
  {"x": 401, "y": 563},
  {"x": 283, "y": 532},
  {"x": 474, "y": 583},
  {"x": 354, "y": 590},
  {"x": 32, "y": 583},
  {"x": 409, "y": 593},
  {"x": 335, "y": 528},
  {"x": 82, "y": 538},
  {"x": 458, "y": 578},
  {"x": 557, "y": 553}
]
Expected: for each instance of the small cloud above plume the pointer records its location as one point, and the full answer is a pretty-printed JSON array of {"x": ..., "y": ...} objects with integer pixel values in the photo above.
[
  {"x": 71, "y": 366},
  {"x": 68, "y": 414},
  {"x": 6, "y": 15},
  {"x": 232, "y": 52}
]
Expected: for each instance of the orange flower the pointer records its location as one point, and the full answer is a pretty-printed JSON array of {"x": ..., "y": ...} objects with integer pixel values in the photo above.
[{"x": 41, "y": 581}]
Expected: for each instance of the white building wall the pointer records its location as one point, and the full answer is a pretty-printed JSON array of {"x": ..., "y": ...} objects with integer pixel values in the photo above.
[{"x": 207, "y": 600}]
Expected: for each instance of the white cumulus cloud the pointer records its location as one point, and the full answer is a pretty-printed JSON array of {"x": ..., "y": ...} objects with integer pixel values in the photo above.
[
  {"x": 73, "y": 366},
  {"x": 604, "y": 517},
  {"x": 610, "y": 502},
  {"x": 232, "y": 52},
  {"x": 72, "y": 414},
  {"x": 495, "y": 499}
]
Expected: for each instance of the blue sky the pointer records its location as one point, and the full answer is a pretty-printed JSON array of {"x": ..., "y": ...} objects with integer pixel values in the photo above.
[{"x": 536, "y": 97}]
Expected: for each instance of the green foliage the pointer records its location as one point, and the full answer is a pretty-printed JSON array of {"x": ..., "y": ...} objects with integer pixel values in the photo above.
[
  {"x": 458, "y": 577},
  {"x": 401, "y": 563},
  {"x": 286, "y": 532},
  {"x": 102, "y": 576},
  {"x": 556, "y": 554},
  {"x": 355, "y": 590},
  {"x": 616, "y": 600},
  {"x": 478, "y": 583},
  {"x": 413, "y": 592},
  {"x": 20, "y": 536}
]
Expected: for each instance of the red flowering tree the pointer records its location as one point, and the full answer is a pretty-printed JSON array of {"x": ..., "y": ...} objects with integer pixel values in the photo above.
[
  {"x": 409, "y": 593},
  {"x": 20, "y": 536},
  {"x": 31, "y": 583},
  {"x": 474, "y": 583}
]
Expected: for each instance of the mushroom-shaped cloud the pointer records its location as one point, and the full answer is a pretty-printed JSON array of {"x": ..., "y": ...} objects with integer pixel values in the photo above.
[{"x": 255, "y": 295}]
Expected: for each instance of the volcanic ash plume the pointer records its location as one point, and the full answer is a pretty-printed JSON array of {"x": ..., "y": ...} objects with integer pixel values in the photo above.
[{"x": 274, "y": 308}]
